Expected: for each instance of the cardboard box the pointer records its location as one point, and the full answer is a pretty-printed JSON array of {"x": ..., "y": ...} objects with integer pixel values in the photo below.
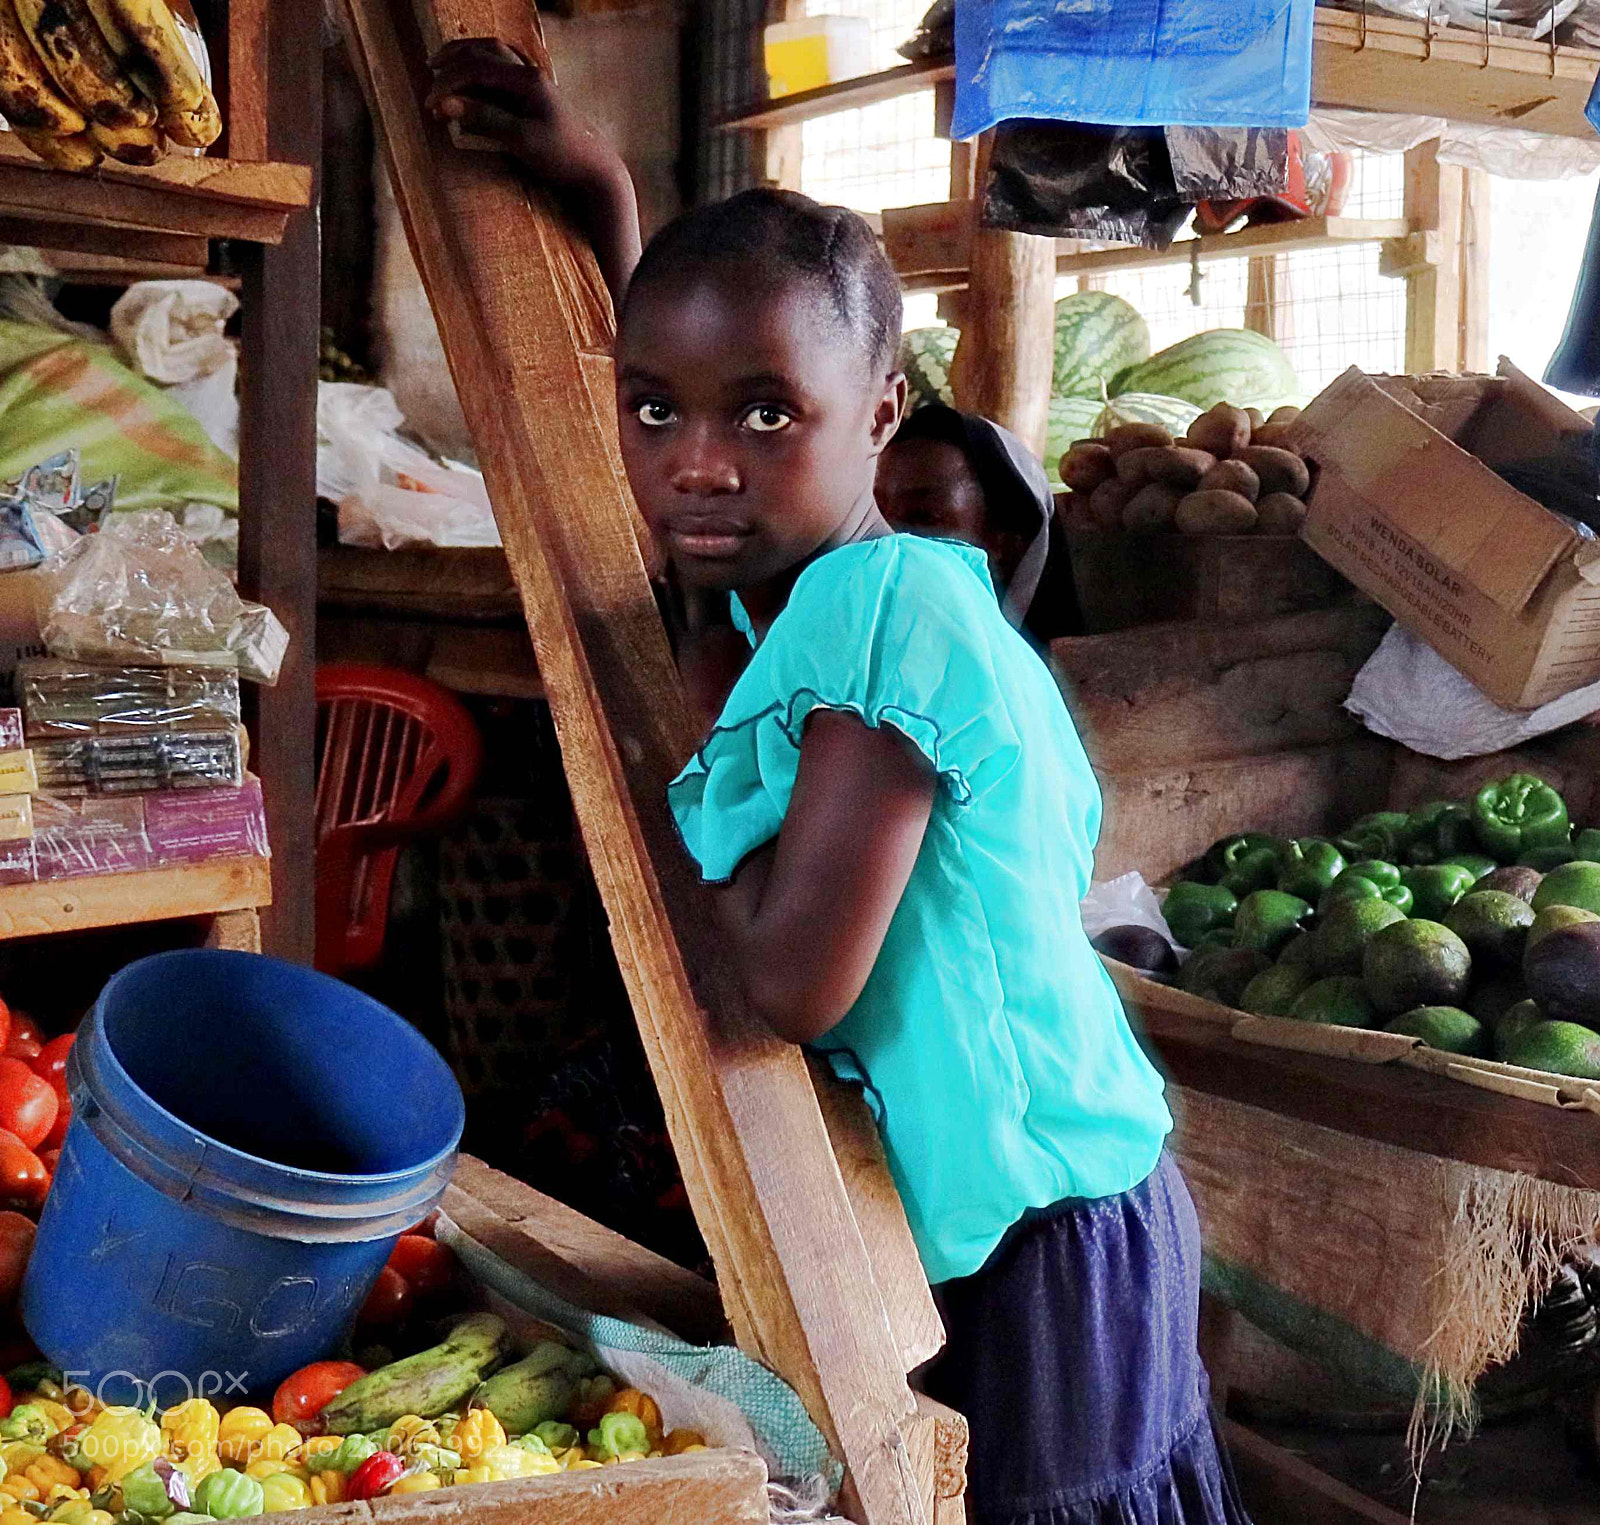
[{"x": 1404, "y": 503}]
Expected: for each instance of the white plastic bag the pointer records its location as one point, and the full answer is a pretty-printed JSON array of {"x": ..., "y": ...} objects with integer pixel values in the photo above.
[
  {"x": 214, "y": 402},
  {"x": 1513, "y": 152},
  {"x": 171, "y": 331},
  {"x": 1124, "y": 902},
  {"x": 390, "y": 493}
]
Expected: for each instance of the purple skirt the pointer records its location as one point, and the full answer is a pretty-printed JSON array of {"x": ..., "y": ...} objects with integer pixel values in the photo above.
[{"x": 1073, "y": 1355}]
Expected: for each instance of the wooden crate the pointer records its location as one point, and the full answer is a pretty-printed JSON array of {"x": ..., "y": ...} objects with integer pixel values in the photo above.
[{"x": 1126, "y": 579}]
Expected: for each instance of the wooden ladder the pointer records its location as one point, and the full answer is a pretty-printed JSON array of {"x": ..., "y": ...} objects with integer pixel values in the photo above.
[{"x": 816, "y": 1266}]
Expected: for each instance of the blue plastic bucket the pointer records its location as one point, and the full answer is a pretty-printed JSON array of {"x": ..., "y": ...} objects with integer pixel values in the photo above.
[{"x": 248, "y": 1139}]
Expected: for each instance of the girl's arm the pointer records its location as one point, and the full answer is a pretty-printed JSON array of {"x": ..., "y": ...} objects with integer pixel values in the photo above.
[
  {"x": 805, "y": 918},
  {"x": 495, "y": 92}
]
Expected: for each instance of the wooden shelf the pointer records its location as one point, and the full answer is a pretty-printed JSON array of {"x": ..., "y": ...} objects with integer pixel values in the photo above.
[
  {"x": 928, "y": 245},
  {"x": 191, "y": 199},
  {"x": 1368, "y": 63},
  {"x": 109, "y": 900}
]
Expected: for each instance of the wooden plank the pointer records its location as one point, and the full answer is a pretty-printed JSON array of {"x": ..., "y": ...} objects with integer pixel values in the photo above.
[
  {"x": 238, "y": 931},
  {"x": 929, "y": 246},
  {"x": 1278, "y": 1485},
  {"x": 1387, "y": 1103},
  {"x": 1200, "y": 691},
  {"x": 110, "y": 900},
  {"x": 112, "y": 204},
  {"x": 1433, "y": 289},
  {"x": 1003, "y": 361},
  {"x": 579, "y": 1259},
  {"x": 170, "y": 249},
  {"x": 1385, "y": 63},
  {"x": 518, "y": 301},
  {"x": 1474, "y": 278},
  {"x": 268, "y": 186},
  {"x": 496, "y": 663},
  {"x": 244, "y": 61},
  {"x": 707, "y": 1488},
  {"x": 846, "y": 95},
  {"x": 463, "y": 584},
  {"x": 278, "y": 476}
]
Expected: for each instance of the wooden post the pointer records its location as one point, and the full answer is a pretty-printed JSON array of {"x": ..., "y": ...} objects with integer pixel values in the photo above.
[
  {"x": 1003, "y": 363},
  {"x": 963, "y": 154},
  {"x": 526, "y": 327},
  {"x": 1433, "y": 290},
  {"x": 275, "y": 112},
  {"x": 1267, "y": 309},
  {"x": 1474, "y": 348}
]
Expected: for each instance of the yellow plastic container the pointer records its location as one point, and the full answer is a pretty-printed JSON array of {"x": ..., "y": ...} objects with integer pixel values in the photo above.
[{"x": 820, "y": 50}]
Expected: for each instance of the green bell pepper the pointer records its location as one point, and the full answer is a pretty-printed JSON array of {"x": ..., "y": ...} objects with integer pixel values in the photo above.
[
  {"x": 1436, "y": 830},
  {"x": 1348, "y": 886},
  {"x": 1221, "y": 938},
  {"x": 1519, "y": 814},
  {"x": 229, "y": 1495},
  {"x": 1192, "y": 910},
  {"x": 1480, "y": 864},
  {"x": 1379, "y": 835},
  {"x": 1308, "y": 867},
  {"x": 1543, "y": 859},
  {"x": 1382, "y": 873},
  {"x": 1401, "y": 898},
  {"x": 1224, "y": 855},
  {"x": 1256, "y": 869},
  {"x": 1435, "y": 887},
  {"x": 1586, "y": 845},
  {"x": 1268, "y": 919}
]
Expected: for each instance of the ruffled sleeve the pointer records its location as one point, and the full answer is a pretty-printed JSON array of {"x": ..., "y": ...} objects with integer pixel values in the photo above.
[{"x": 899, "y": 632}]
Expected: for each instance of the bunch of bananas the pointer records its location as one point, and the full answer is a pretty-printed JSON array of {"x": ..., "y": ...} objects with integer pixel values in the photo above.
[{"x": 81, "y": 79}]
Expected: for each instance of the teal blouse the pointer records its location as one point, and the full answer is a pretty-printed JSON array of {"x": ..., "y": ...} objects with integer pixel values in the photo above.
[{"x": 992, "y": 1045}]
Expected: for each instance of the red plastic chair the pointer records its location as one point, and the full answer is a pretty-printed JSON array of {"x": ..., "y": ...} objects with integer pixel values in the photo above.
[{"x": 397, "y": 756}]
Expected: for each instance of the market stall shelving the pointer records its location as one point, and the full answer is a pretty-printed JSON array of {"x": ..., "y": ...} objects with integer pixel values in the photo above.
[
  {"x": 1359, "y": 61},
  {"x": 256, "y": 191},
  {"x": 213, "y": 888}
]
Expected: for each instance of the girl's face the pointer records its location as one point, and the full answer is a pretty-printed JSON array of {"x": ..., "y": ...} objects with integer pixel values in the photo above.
[{"x": 750, "y": 425}]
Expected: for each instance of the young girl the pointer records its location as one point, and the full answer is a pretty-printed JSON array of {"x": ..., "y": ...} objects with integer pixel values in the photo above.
[{"x": 901, "y": 821}]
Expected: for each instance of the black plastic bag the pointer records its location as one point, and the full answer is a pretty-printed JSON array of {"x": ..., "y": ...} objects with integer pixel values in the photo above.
[{"x": 1575, "y": 366}]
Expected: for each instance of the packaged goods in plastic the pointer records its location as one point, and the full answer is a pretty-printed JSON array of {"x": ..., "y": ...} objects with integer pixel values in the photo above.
[
  {"x": 158, "y": 761},
  {"x": 63, "y": 698}
]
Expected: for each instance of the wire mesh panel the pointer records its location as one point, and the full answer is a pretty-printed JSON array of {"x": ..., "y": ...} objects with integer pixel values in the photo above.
[{"x": 725, "y": 63}]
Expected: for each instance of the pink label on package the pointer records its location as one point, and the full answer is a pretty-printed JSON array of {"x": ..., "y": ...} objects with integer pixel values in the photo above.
[
  {"x": 72, "y": 838},
  {"x": 17, "y": 863},
  {"x": 188, "y": 826},
  {"x": 10, "y": 730}
]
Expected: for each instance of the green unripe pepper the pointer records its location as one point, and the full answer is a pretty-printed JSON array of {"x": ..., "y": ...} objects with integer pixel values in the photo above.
[
  {"x": 1222, "y": 938},
  {"x": 229, "y": 1495},
  {"x": 1348, "y": 886},
  {"x": 1308, "y": 867},
  {"x": 1519, "y": 814},
  {"x": 1191, "y": 910},
  {"x": 1254, "y": 870},
  {"x": 351, "y": 1452},
  {"x": 1436, "y": 887},
  {"x": 619, "y": 1433},
  {"x": 1267, "y": 920},
  {"x": 1379, "y": 835},
  {"x": 1480, "y": 864},
  {"x": 144, "y": 1491},
  {"x": 27, "y": 1421},
  {"x": 1543, "y": 859},
  {"x": 1379, "y": 870},
  {"x": 1401, "y": 898},
  {"x": 1223, "y": 856},
  {"x": 556, "y": 1435}
]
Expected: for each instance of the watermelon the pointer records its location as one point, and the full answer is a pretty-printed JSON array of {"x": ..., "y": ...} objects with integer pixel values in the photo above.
[
  {"x": 925, "y": 356},
  {"x": 1172, "y": 413},
  {"x": 1098, "y": 336},
  {"x": 1071, "y": 419},
  {"x": 1233, "y": 365}
]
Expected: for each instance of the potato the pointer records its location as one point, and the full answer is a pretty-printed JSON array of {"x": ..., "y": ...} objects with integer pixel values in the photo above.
[
  {"x": 1284, "y": 415},
  {"x": 1126, "y": 437},
  {"x": 1279, "y": 470},
  {"x": 1256, "y": 417},
  {"x": 1108, "y": 500},
  {"x": 1274, "y": 434},
  {"x": 1280, "y": 514},
  {"x": 1233, "y": 476},
  {"x": 1215, "y": 513},
  {"x": 1223, "y": 431},
  {"x": 1173, "y": 465},
  {"x": 1074, "y": 514},
  {"x": 1151, "y": 508},
  {"x": 1086, "y": 465}
]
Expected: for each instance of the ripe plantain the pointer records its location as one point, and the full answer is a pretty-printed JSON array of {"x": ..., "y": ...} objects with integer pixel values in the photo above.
[
  {"x": 77, "y": 151},
  {"x": 28, "y": 96},
  {"x": 145, "y": 36},
  {"x": 81, "y": 64},
  {"x": 130, "y": 145},
  {"x": 199, "y": 128}
]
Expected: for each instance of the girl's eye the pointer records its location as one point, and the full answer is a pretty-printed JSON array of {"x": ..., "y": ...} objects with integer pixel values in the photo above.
[
  {"x": 654, "y": 415},
  {"x": 767, "y": 419}
]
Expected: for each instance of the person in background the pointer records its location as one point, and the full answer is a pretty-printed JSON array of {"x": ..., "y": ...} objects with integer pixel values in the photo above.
[{"x": 961, "y": 477}]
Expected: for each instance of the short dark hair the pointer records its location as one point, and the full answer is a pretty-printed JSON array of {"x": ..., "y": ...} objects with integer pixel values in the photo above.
[
  {"x": 792, "y": 235},
  {"x": 1015, "y": 489}
]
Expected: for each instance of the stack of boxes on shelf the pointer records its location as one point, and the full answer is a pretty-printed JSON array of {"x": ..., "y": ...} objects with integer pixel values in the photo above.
[{"x": 128, "y": 768}]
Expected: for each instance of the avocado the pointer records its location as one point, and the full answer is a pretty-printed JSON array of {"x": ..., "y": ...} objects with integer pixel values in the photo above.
[
  {"x": 1416, "y": 963},
  {"x": 1342, "y": 936},
  {"x": 1493, "y": 997},
  {"x": 1563, "y": 974},
  {"x": 1221, "y": 974},
  {"x": 1572, "y": 884},
  {"x": 1494, "y": 926},
  {"x": 1552, "y": 919},
  {"x": 1443, "y": 1027},
  {"x": 1272, "y": 992},
  {"x": 1560, "y": 1048},
  {"x": 1515, "y": 880},
  {"x": 1138, "y": 947},
  {"x": 1520, "y": 1017},
  {"x": 1338, "y": 1001}
]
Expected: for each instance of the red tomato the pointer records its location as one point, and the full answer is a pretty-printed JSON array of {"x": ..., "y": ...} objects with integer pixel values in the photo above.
[
  {"x": 305, "y": 1393},
  {"x": 51, "y": 1064},
  {"x": 428, "y": 1265},
  {"x": 28, "y": 1106},
  {"x": 388, "y": 1302},
  {"x": 16, "y": 1245},
  {"x": 24, "y": 1049},
  {"x": 5, "y": 1399},
  {"x": 5, "y": 1025},
  {"x": 23, "y": 1180},
  {"x": 50, "y": 1159},
  {"x": 23, "y": 1026},
  {"x": 54, "y": 1139}
]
